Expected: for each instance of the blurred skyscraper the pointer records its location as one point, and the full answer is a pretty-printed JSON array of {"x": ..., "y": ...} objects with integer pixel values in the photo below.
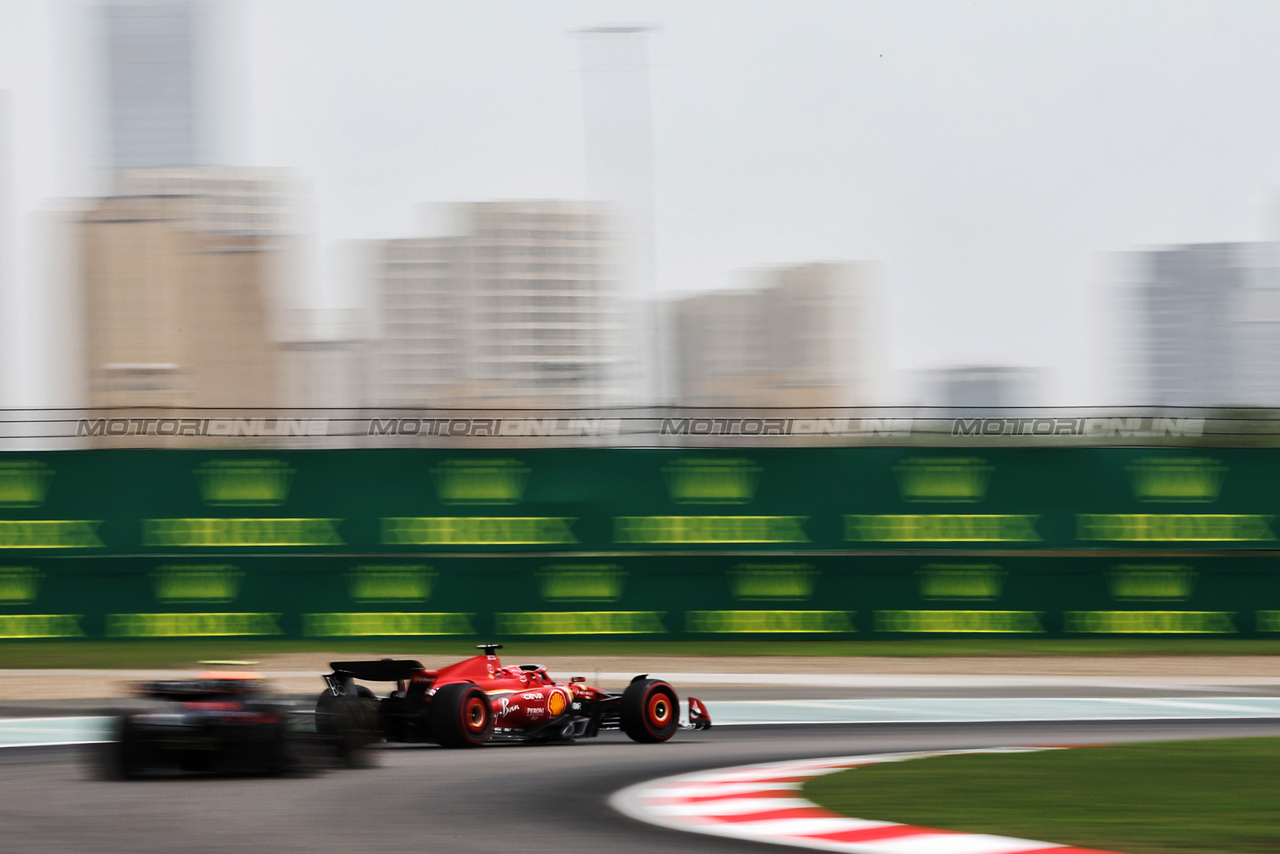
[
  {"x": 807, "y": 337},
  {"x": 525, "y": 309},
  {"x": 152, "y": 83},
  {"x": 1202, "y": 326},
  {"x": 9, "y": 314},
  {"x": 619, "y": 150},
  {"x": 984, "y": 387},
  {"x": 181, "y": 285}
]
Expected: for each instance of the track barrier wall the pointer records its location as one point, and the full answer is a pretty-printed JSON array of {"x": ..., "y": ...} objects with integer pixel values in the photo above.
[{"x": 802, "y": 542}]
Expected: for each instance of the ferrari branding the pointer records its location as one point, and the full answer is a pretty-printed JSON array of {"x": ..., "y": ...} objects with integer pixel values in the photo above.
[
  {"x": 478, "y": 530},
  {"x": 768, "y": 622},
  {"x": 232, "y": 533},
  {"x": 377, "y": 625},
  {"x": 580, "y": 623},
  {"x": 376, "y": 583},
  {"x": 191, "y": 625},
  {"x": 1171, "y": 583},
  {"x": 1173, "y": 527},
  {"x": 1149, "y": 622},
  {"x": 203, "y": 583},
  {"x": 1177, "y": 479},
  {"x": 19, "y": 585},
  {"x": 960, "y": 622},
  {"x": 480, "y": 481},
  {"x": 50, "y": 534},
  {"x": 41, "y": 626},
  {"x": 939, "y": 479},
  {"x": 597, "y": 583},
  {"x": 24, "y": 483},
  {"x": 961, "y": 581},
  {"x": 772, "y": 581},
  {"x": 711, "y": 481},
  {"x": 244, "y": 483},
  {"x": 941, "y": 529},
  {"x": 709, "y": 529}
]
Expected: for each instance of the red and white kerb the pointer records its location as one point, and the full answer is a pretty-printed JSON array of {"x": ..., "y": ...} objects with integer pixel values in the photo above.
[{"x": 763, "y": 803}]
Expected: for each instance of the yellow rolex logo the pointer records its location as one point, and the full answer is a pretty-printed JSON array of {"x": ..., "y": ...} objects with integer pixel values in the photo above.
[
  {"x": 1177, "y": 479},
  {"x": 244, "y": 483},
  {"x": 24, "y": 483},
  {"x": 712, "y": 481},
  {"x": 943, "y": 478},
  {"x": 481, "y": 481}
]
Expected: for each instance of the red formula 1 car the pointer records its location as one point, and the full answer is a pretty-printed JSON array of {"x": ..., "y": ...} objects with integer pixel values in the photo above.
[{"x": 476, "y": 700}]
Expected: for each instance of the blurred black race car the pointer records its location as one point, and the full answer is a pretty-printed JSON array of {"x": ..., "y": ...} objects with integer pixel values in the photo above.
[{"x": 219, "y": 722}]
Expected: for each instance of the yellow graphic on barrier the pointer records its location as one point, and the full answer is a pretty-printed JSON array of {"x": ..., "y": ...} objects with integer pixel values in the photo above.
[
  {"x": 385, "y": 583},
  {"x": 230, "y": 533},
  {"x": 1269, "y": 621},
  {"x": 580, "y": 623},
  {"x": 477, "y": 530},
  {"x": 244, "y": 483},
  {"x": 1149, "y": 622},
  {"x": 1173, "y": 527},
  {"x": 50, "y": 534},
  {"x": 19, "y": 585},
  {"x": 361, "y": 624},
  {"x": 709, "y": 529},
  {"x": 191, "y": 625},
  {"x": 712, "y": 481},
  {"x": 769, "y": 622},
  {"x": 1148, "y": 582},
  {"x": 943, "y": 479},
  {"x": 24, "y": 483},
  {"x": 196, "y": 583},
  {"x": 41, "y": 626},
  {"x": 460, "y": 482},
  {"x": 1177, "y": 479},
  {"x": 960, "y": 622},
  {"x": 581, "y": 583},
  {"x": 941, "y": 528},
  {"x": 961, "y": 581},
  {"x": 772, "y": 581}
]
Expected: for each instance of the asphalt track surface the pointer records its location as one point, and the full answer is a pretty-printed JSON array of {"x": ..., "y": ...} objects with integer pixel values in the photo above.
[{"x": 514, "y": 799}]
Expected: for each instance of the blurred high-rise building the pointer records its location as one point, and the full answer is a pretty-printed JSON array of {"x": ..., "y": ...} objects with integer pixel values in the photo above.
[
  {"x": 9, "y": 313},
  {"x": 181, "y": 287},
  {"x": 807, "y": 336},
  {"x": 1201, "y": 325},
  {"x": 526, "y": 308},
  {"x": 983, "y": 387},
  {"x": 152, "y": 82},
  {"x": 618, "y": 119}
]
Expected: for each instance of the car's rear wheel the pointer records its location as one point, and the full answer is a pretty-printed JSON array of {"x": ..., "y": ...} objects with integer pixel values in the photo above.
[
  {"x": 649, "y": 711},
  {"x": 461, "y": 716}
]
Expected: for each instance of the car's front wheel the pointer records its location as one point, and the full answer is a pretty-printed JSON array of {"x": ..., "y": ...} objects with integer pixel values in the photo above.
[{"x": 649, "y": 711}]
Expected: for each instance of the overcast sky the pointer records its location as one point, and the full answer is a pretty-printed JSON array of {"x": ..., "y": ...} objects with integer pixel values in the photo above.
[{"x": 987, "y": 155}]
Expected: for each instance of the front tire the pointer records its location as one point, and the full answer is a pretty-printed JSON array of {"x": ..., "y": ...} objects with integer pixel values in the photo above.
[
  {"x": 461, "y": 716},
  {"x": 650, "y": 711}
]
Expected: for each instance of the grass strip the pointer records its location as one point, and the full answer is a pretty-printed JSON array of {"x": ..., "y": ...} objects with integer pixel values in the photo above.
[
  {"x": 1190, "y": 797},
  {"x": 182, "y": 652}
]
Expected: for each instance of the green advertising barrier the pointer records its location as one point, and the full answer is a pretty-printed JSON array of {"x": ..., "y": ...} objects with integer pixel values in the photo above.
[
  {"x": 683, "y": 596},
  {"x": 635, "y": 501},
  {"x": 849, "y": 542}
]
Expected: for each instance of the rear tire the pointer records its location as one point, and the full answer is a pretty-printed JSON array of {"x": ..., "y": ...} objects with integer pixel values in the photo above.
[
  {"x": 461, "y": 716},
  {"x": 649, "y": 711}
]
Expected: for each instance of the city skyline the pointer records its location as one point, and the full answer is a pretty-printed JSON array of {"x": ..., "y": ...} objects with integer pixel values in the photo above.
[{"x": 986, "y": 157}]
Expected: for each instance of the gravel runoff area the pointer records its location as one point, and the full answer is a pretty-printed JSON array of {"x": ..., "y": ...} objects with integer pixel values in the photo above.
[{"x": 300, "y": 672}]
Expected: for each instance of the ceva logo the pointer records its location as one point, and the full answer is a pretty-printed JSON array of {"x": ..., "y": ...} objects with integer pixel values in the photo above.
[{"x": 24, "y": 483}]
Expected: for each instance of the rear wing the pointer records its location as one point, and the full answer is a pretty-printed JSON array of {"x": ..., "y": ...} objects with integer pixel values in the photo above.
[{"x": 385, "y": 670}]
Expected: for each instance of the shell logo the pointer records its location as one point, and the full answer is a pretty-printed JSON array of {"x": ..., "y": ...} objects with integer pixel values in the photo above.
[{"x": 557, "y": 702}]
